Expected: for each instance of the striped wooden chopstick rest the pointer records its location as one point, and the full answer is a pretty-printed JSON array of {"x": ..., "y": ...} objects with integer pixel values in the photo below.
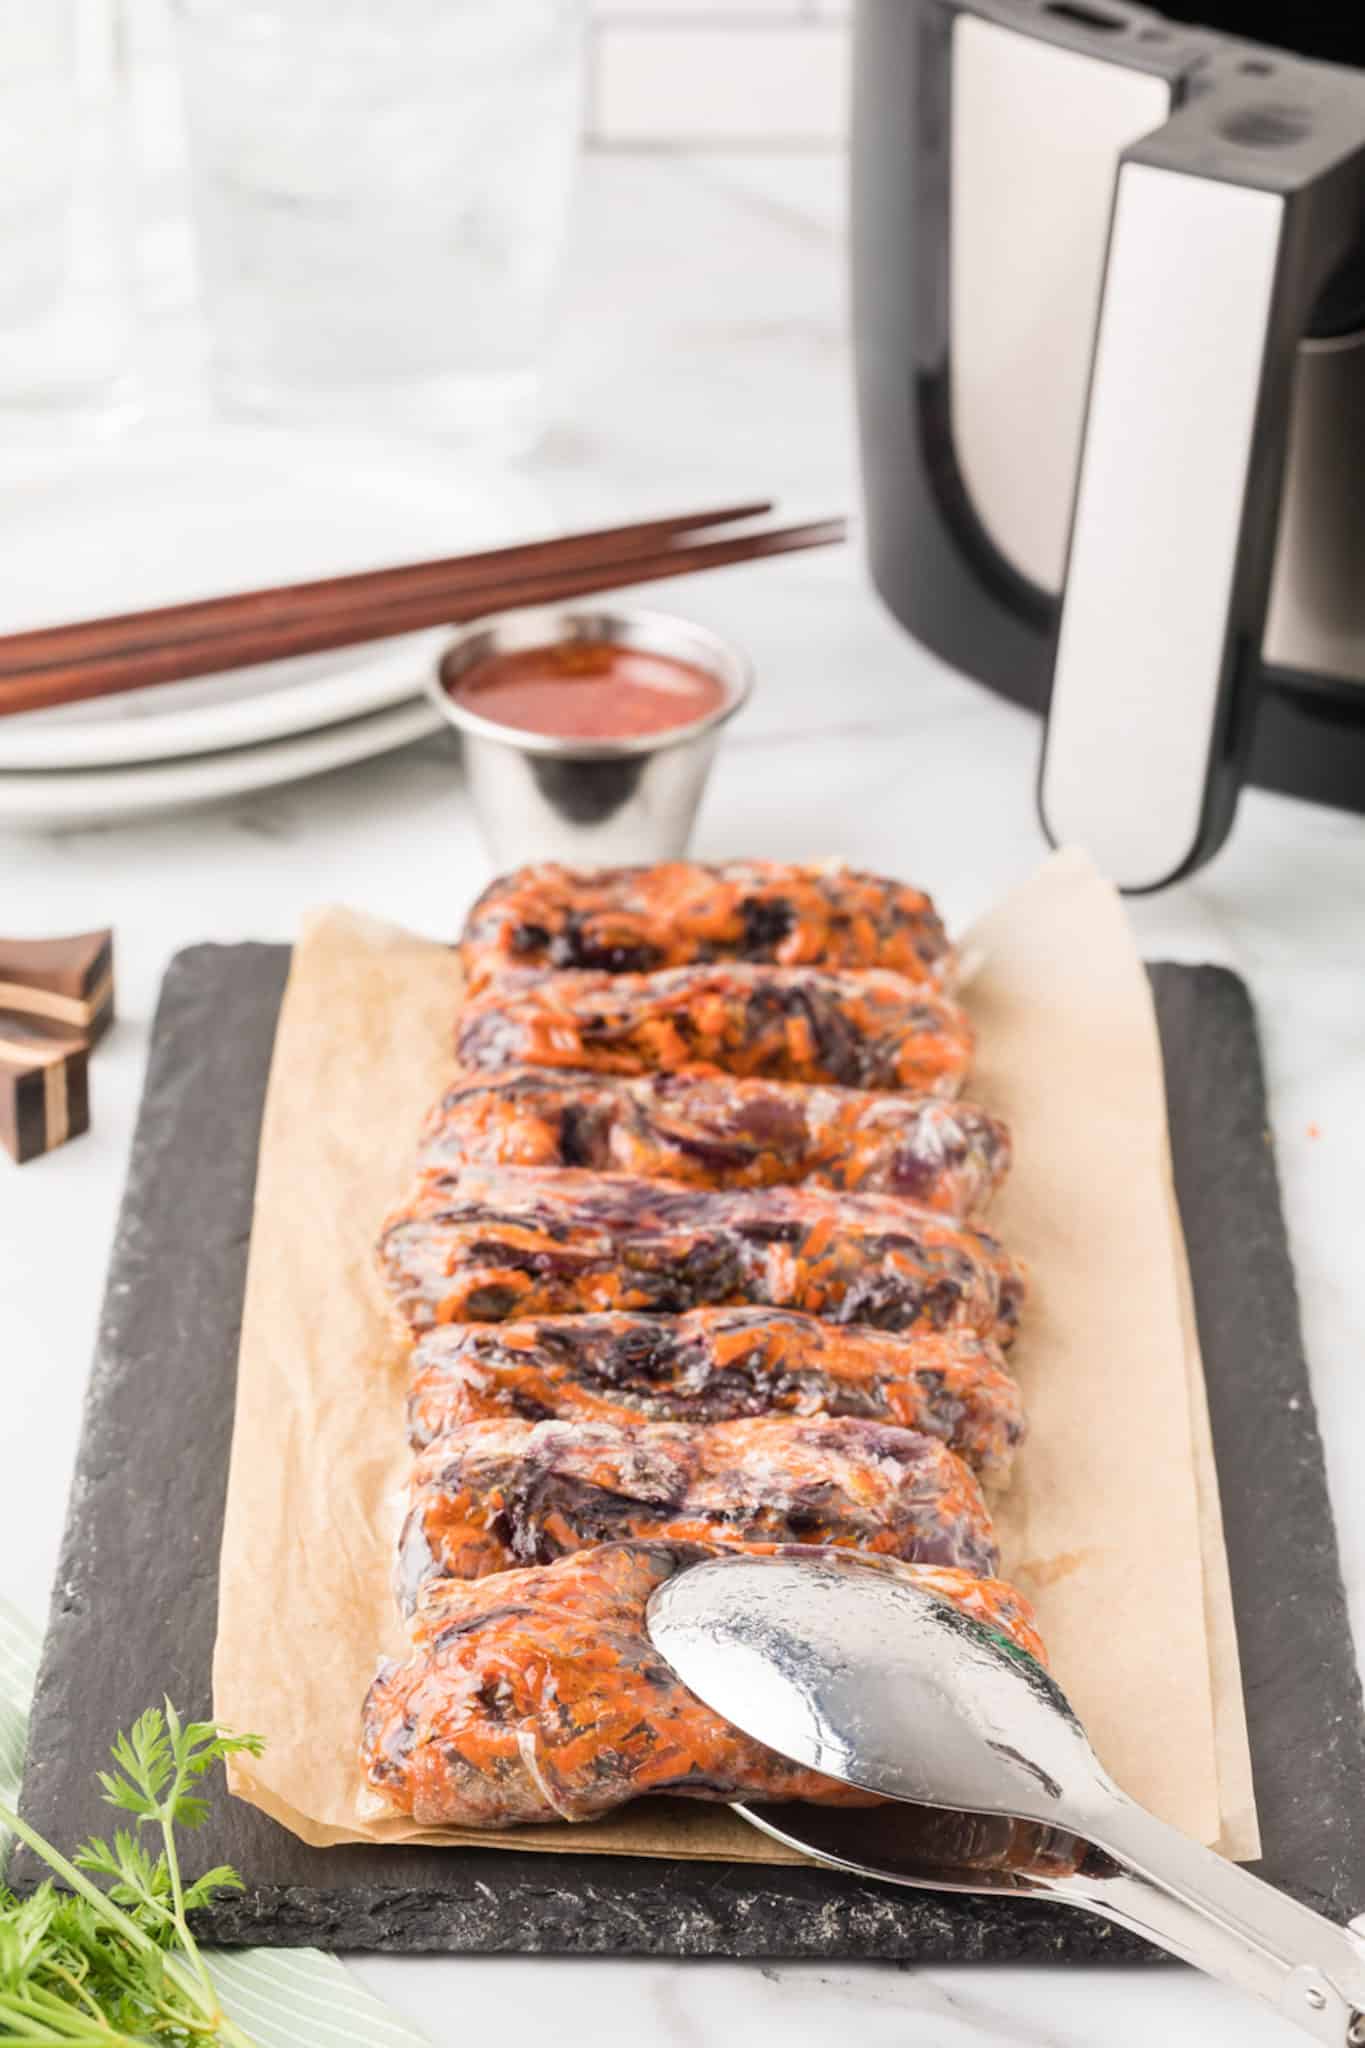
[
  {"x": 68, "y": 981},
  {"x": 44, "y": 1085},
  {"x": 56, "y": 1000}
]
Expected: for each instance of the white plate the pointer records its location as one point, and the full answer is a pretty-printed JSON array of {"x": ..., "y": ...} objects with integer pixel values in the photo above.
[
  {"x": 163, "y": 517},
  {"x": 63, "y": 800}
]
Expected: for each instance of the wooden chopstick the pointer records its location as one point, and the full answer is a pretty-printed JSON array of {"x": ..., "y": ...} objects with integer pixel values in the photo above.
[
  {"x": 349, "y": 622},
  {"x": 58, "y": 646}
]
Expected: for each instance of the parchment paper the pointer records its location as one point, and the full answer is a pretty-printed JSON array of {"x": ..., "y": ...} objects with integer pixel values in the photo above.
[{"x": 1111, "y": 1525}]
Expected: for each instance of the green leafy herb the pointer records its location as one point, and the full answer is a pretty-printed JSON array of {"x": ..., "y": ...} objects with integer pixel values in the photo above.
[{"x": 115, "y": 1965}]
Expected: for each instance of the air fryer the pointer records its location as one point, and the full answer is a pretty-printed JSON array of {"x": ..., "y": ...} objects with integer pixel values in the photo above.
[{"x": 1109, "y": 303}]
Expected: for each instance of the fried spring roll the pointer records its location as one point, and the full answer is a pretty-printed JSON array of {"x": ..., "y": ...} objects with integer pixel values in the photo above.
[
  {"x": 637, "y": 920},
  {"x": 873, "y": 1030},
  {"x": 717, "y": 1131},
  {"x": 717, "y": 1365},
  {"x": 495, "y": 1495},
  {"x": 494, "y": 1242},
  {"x": 536, "y": 1695}
]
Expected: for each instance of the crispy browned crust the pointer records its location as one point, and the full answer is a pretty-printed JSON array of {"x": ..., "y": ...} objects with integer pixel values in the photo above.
[
  {"x": 536, "y": 1695},
  {"x": 638, "y": 920},
  {"x": 872, "y": 1030},
  {"x": 717, "y": 1365},
  {"x": 718, "y": 1131},
  {"x": 501, "y": 1241},
  {"x": 495, "y": 1495}
]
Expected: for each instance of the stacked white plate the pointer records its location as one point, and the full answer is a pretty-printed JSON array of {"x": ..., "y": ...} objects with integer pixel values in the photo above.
[{"x": 160, "y": 518}]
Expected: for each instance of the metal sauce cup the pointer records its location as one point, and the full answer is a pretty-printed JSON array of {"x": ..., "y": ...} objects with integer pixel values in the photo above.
[{"x": 587, "y": 802}]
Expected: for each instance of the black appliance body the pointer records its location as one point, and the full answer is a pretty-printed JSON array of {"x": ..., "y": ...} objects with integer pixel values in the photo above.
[{"x": 1109, "y": 316}]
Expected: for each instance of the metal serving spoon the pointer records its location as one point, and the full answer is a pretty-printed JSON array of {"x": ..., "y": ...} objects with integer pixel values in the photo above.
[{"x": 866, "y": 1677}]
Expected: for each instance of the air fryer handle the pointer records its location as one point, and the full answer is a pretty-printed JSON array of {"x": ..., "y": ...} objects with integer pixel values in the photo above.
[{"x": 1226, "y": 224}]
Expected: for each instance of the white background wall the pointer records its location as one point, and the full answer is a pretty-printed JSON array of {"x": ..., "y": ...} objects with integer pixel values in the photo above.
[
  {"x": 693, "y": 73},
  {"x": 671, "y": 74},
  {"x": 678, "y": 74}
]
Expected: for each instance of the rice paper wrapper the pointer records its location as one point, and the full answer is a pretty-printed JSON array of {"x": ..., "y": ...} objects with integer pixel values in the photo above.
[{"x": 1111, "y": 1525}]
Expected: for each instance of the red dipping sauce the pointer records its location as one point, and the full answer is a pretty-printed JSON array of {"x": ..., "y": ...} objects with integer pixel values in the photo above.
[{"x": 589, "y": 690}]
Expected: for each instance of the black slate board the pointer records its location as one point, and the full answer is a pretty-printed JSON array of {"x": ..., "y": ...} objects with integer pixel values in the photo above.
[{"x": 134, "y": 1608}]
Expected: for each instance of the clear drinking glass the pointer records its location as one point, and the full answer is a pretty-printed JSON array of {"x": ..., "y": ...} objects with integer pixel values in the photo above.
[
  {"x": 66, "y": 290},
  {"x": 381, "y": 191}
]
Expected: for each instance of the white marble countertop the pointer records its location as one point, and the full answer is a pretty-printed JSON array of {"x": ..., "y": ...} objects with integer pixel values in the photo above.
[{"x": 702, "y": 357}]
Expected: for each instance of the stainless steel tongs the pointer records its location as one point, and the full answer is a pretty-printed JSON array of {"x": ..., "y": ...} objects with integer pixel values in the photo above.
[{"x": 866, "y": 1677}]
